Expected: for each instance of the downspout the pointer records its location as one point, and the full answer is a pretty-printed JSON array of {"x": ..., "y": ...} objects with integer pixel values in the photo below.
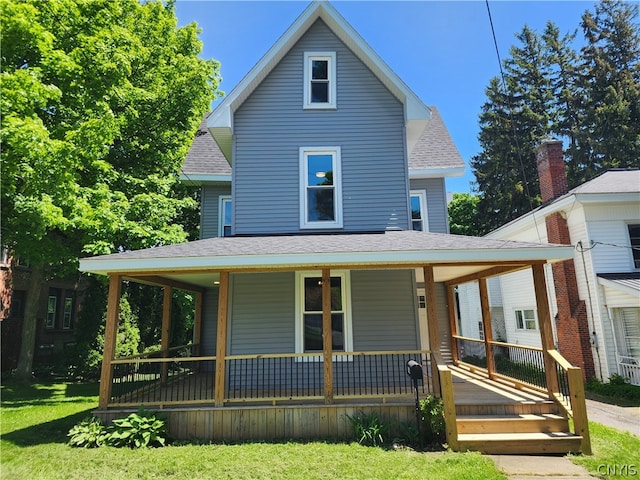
[{"x": 594, "y": 338}]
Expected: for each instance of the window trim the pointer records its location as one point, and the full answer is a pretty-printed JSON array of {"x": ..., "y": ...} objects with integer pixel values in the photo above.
[
  {"x": 422, "y": 196},
  {"x": 524, "y": 320},
  {"x": 336, "y": 156},
  {"x": 50, "y": 319},
  {"x": 635, "y": 262},
  {"x": 222, "y": 199},
  {"x": 67, "y": 313},
  {"x": 299, "y": 317},
  {"x": 330, "y": 57}
]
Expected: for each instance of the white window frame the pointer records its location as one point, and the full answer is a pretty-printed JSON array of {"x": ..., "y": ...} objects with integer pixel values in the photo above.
[
  {"x": 422, "y": 196},
  {"x": 631, "y": 245},
  {"x": 335, "y": 153},
  {"x": 67, "y": 317},
  {"x": 52, "y": 312},
  {"x": 222, "y": 200},
  {"x": 524, "y": 320},
  {"x": 330, "y": 58},
  {"x": 345, "y": 276}
]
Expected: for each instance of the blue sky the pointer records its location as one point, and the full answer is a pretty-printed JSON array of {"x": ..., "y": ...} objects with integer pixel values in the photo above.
[{"x": 443, "y": 50}]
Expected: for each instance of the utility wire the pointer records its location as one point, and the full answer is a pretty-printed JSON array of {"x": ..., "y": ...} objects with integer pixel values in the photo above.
[{"x": 513, "y": 126}]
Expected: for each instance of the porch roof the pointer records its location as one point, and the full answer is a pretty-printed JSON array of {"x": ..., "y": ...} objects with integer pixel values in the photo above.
[{"x": 199, "y": 262}]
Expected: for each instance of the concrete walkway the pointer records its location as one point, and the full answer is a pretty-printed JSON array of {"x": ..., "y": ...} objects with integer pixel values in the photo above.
[
  {"x": 539, "y": 467},
  {"x": 532, "y": 467}
]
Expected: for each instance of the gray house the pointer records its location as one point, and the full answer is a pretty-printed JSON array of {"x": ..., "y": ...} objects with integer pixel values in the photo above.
[{"x": 325, "y": 262}]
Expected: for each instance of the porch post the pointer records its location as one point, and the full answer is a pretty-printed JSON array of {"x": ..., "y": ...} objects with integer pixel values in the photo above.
[
  {"x": 221, "y": 339},
  {"x": 327, "y": 341},
  {"x": 486, "y": 325},
  {"x": 453, "y": 324},
  {"x": 432, "y": 321},
  {"x": 167, "y": 293},
  {"x": 197, "y": 324},
  {"x": 544, "y": 320},
  {"x": 110, "y": 333}
]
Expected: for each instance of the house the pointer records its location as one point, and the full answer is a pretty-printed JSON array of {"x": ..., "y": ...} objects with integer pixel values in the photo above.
[
  {"x": 595, "y": 296},
  {"x": 56, "y": 317},
  {"x": 325, "y": 265}
]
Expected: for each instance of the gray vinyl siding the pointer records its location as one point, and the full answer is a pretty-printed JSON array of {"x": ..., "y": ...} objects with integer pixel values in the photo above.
[
  {"x": 436, "y": 202},
  {"x": 383, "y": 305},
  {"x": 271, "y": 126},
  {"x": 262, "y": 313},
  {"x": 209, "y": 322},
  {"x": 210, "y": 206}
]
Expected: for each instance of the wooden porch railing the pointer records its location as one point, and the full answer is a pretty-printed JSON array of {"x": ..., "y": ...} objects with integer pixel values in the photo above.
[
  {"x": 160, "y": 379},
  {"x": 572, "y": 398}
]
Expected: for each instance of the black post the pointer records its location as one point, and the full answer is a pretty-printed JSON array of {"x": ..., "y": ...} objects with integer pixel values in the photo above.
[{"x": 414, "y": 370}]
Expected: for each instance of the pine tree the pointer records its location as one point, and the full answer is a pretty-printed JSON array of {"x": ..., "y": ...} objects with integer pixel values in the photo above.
[{"x": 609, "y": 76}]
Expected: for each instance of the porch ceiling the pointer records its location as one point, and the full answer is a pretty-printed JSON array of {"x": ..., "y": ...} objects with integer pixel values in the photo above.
[{"x": 198, "y": 263}]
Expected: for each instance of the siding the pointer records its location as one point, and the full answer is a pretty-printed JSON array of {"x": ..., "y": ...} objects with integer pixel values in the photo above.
[
  {"x": 383, "y": 305},
  {"x": 209, "y": 322},
  {"x": 436, "y": 202},
  {"x": 210, "y": 205},
  {"x": 262, "y": 313},
  {"x": 271, "y": 126}
]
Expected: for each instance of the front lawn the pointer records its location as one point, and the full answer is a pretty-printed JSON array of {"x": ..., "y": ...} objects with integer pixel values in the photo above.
[{"x": 36, "y": 418}]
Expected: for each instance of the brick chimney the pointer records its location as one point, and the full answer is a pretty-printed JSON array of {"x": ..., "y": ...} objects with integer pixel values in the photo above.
[
  {"x": 572, "y": 324},
  {"x": 551, "y": 171}
]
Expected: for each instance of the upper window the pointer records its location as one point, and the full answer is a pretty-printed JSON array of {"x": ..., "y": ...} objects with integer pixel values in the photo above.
[
  {"x": 52, "y": 309},
  {"x": 320, "y": 188},
  {"x": 526, "y": 319},
  {"x": 224, "y": 220},
  {"x": 309, "y": 312},
  {"x": 419, "y": 211},
  {"x": 320, "y": 80},
  {"x": 634, "y": 237}
]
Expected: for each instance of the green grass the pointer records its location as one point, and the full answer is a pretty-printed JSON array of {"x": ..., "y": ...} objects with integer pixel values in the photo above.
[
  {"x": 34, "y": 421},
  {"x": 611, "y": 448},
  {"x": 36, "y": 418}
]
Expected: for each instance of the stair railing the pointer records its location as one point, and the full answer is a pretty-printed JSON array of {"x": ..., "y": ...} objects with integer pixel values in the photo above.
[{"x": 571, "y": 397}]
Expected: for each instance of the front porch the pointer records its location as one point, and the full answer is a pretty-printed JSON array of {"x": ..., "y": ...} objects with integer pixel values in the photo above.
[{"x": 230, "y": 386}]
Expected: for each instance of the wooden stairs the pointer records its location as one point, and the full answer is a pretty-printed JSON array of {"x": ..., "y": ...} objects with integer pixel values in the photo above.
[{"x": 494, "y": 418}]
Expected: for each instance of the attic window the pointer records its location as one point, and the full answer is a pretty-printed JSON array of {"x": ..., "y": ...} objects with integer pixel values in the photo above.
[{"x": 320, "y": 80}]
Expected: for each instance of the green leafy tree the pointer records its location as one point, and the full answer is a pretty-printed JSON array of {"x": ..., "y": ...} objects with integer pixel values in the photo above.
[
  {"x": 463, "y": 214},
  {"x": 100, "y": 101}
]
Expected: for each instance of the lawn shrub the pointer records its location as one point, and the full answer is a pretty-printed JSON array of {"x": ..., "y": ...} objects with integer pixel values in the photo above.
[
  {"x": 617, "y": 388},
  {"x": 142, "y": 429},
  {"x": 432, "y": 417},
  {"x": 369, "y": 429},
  {"x": 89, "y": 433}
]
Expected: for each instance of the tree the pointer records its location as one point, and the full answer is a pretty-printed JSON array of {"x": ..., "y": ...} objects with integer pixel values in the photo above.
[
  {"x": 608, "y": 77},
  {"x": 100, "y": 101},
  {"x": 514, "y": 119},
  {"x": 463, "y": 214}
]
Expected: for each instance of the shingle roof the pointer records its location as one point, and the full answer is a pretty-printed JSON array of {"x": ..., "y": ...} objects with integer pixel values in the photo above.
[
  {"x": 435, "y": 147},
  {"x": 629, "y": 280},
  {"x": 612, "y": 181},
  {"x": 434, "y": 150},
  {"x": 383, "y": 248},
  {"x": 204, "y": 156}
]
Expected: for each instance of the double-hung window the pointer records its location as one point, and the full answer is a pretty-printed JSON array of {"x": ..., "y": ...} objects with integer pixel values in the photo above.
[
  {"x": 52, "y": 310},
  {"x": 526, "y": 319},
  {"x": 320, "y": 187},
  {"x": 319, "y": 80},
  {"x": 634, "y": 240},
  {"x": 224, "y": 213},
  {"x": 309, "y": 312},
  {"x": 418, "y": 200}
]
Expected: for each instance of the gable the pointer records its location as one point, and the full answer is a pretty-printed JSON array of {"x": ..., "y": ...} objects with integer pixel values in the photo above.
[{"x": 221, "y": 122}]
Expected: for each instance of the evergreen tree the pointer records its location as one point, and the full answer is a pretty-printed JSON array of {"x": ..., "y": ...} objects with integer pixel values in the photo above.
[
  {"x": 512, "y": 123},
  {"x": 609, "y": 77}
]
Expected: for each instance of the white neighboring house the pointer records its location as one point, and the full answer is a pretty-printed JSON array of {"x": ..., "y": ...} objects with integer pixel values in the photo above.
[{"x": 603, "y": 221}]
